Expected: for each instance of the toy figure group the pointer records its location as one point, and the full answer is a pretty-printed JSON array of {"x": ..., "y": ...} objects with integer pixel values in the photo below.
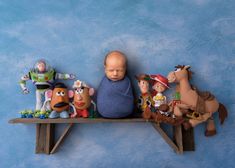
[
  {"x": 115, "y": 91},
  {"x": 152, "y": 102},
  {"x": 189, "y": 107},
  {"x": 115, "y": 97},
  {"x": 53, "y": 99}
]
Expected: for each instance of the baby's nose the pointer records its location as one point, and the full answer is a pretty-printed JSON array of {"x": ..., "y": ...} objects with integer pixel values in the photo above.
[{"x": 115, "y": 72}]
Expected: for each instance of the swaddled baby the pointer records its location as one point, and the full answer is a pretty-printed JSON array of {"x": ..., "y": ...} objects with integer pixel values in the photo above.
[{"x": 114, "y": 96}]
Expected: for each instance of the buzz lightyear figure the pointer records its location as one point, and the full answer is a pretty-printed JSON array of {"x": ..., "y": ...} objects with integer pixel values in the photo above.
[{"x": 43, "y": 77}]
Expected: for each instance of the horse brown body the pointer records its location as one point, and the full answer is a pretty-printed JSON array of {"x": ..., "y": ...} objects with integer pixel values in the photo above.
[{"x": 189, "y": 101}]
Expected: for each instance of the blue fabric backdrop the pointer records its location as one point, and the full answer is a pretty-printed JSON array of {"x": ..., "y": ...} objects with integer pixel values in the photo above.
[{"x": 156, "y": 35}]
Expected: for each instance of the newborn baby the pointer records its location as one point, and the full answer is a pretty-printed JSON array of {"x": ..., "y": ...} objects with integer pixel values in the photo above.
[{"x": 114, "y": 96}]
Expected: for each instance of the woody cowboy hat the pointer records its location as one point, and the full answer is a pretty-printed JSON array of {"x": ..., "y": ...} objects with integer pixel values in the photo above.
[{"x": 142, "y": 77}]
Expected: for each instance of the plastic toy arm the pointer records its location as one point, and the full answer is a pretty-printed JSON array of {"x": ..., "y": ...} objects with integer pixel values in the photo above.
[
  {"x": 170, "y": 103},
  {"x": 92, "y": 102},
  {"x": 23, "y": 83},
  {"x": 44, "y": 107},
  {"x": 64, "y": 76},
  {"x": 74, "y": 114},
  {"x": 165, "y": 101}
]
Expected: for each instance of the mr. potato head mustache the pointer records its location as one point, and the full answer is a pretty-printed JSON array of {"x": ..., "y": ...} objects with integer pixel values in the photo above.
[{"x": 60, "y": 105}]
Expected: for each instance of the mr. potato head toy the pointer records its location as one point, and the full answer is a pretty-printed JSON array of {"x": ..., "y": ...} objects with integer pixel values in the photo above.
[
  {"x": 59, "y": 101},
  {"x": 82, "y": 99}
]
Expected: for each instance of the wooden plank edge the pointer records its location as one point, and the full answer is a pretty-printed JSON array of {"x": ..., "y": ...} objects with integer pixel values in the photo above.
[
  {"x": 74, "y": 120},
  {"x": 166, "y": 138},
  {"x": 60, "y": 140}
]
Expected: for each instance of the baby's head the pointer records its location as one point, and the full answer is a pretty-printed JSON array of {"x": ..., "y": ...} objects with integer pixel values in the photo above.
[{"x": 115, "y": 65}]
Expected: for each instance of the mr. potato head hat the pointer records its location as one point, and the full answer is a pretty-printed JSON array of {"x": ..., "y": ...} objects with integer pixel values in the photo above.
[
  {"x": 159, "y": 78},
  {"x": 79, "y": 84}
]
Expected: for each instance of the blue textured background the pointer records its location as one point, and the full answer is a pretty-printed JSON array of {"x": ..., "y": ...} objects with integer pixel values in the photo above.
[{"x": 156, "y": 35}]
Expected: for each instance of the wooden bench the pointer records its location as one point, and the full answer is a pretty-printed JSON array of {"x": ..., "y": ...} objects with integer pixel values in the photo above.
[{"x": 45, "y": 132}]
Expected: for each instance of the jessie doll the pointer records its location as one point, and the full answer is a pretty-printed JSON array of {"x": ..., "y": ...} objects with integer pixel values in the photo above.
[{"x": 160, "y": 84}]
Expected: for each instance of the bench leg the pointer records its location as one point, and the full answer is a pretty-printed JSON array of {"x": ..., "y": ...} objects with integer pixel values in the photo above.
[
  {"x": 166, "y": 137},
  {"x": 188, "y": 139},
  {"x": 184, "y": 138},
  {"x": 177, "y": 133},
  {"x": 44, "y": 138},
  {"x": 62, "y": 137}
]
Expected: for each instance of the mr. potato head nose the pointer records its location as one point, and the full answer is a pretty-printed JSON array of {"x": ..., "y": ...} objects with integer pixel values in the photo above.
[
  {"x": 61, "y": 102},
  {"x": 78, "y": 97}
]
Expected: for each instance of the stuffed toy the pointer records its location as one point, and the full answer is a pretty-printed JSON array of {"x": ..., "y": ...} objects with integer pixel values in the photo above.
[{"x": 195, "y": 106}]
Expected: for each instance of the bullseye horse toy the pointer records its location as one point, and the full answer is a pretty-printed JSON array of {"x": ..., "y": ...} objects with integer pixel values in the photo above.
[{"x": 195, "y": 106}]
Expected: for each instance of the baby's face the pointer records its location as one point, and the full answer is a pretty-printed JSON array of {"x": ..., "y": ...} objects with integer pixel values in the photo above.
[{"x": 115, "y": 68}]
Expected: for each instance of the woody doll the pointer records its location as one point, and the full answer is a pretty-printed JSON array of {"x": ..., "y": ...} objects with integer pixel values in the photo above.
[{"x": 145, "y": 101}]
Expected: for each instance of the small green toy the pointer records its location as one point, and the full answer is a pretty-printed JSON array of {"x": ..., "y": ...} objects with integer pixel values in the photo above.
[
  {"x": 26, "y": 114},
  {"x": 42, "y": 114}
]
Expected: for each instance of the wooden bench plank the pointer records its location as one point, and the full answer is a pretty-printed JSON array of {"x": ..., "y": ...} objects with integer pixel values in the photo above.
[
  {"x": 74, "y": 120},
  {"x": 45, "y": 131}
]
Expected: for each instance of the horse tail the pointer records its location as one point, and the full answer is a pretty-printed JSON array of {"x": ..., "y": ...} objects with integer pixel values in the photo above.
[{"x": 223, "y": 113}]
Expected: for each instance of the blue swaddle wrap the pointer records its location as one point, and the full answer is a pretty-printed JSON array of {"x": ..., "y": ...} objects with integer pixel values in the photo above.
[{"x": 115, "y": 98}]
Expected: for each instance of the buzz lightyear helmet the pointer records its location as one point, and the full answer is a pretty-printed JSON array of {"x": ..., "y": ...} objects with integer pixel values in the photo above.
[
  {"x": 42, "y": 72},
  {"x": 42, "y": 66}
]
